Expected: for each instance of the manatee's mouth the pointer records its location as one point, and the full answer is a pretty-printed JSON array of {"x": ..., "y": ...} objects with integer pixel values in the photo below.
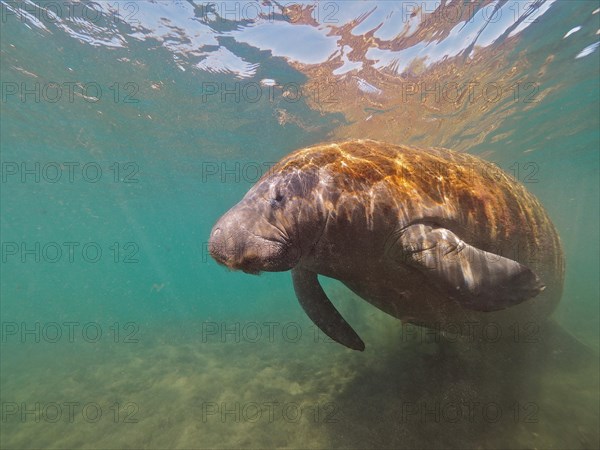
[{"x": 251, "y": 256}]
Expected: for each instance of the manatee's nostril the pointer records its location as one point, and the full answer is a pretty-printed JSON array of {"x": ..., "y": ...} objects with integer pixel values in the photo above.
[{"x": 216, "y": 232}]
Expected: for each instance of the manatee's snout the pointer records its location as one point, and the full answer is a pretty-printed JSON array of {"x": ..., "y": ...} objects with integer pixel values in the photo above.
[
  {"x": 241, "y": 240},
  {"x": 217, "y": 246}
]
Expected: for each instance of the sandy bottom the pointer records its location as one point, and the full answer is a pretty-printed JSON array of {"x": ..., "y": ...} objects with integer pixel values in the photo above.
[{"x": 181, "y": 388}]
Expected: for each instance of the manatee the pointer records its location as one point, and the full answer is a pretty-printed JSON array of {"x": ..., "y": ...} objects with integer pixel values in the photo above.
[{"x": 430, "y": 236}]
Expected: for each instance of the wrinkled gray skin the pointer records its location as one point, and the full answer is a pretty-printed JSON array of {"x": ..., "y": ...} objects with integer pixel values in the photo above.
[{"x": 285, "y": 222}]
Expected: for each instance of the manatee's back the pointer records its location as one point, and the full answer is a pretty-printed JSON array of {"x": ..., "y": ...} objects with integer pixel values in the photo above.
[{"x": 475, "y": 199}]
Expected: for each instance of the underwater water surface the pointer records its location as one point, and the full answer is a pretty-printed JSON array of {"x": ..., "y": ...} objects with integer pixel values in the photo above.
[{"x": 128, "y": 128}]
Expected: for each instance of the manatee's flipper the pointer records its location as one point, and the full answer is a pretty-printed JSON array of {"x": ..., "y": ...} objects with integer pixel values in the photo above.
[
  {"x": 321, "y": 311},
  {"x": 477, "y": 279}
]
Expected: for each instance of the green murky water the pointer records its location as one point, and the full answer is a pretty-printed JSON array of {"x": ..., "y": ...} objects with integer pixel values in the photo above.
[{"x": 127, "y": 129}]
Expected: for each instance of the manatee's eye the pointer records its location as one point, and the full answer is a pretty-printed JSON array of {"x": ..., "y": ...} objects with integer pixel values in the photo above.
[{"x": 277, "y": 200}]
